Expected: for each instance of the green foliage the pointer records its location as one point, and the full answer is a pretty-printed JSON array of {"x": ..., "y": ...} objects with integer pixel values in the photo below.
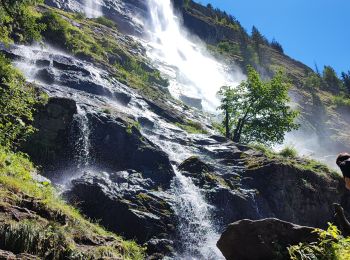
[
  {"x": 331, "y": 80},
  {"x": 277, "y": 46},
  {"x": 346, "y": 80},
  {"x": 17, "y": 104},
  {"x": 257, "y": 111},
  {"x": 313, "y": 81},
  {"x": 229, "y": 48},
  {"x": 106, "y": 22},
  {"x": 49, "y": 239},
  {"x": 83, "y": 41},
  {"x": 331, "y": 246},
  {"x": 61, "y": 33},
  {"x": 31, "y": 237},
  {"x": 257, "y": 37},
  {"x": 192, "y": 127},
  {"x": 186, "y": 4},
  {"x": 341, "y": 101},
  {"x": 19, "y": 21},
  {"x": 289, "y": 152}
]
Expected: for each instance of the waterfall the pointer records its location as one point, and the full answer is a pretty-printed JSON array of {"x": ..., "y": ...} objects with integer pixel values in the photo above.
[
  {"x": 197, "y": 236},
  {"x": 192, "y": 71},
  {"x": 82, "y": 145},
  {"x": 92, "y": 9}
]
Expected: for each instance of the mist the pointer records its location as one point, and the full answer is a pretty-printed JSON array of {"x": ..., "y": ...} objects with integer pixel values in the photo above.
[{"x": 92, "y": 8}]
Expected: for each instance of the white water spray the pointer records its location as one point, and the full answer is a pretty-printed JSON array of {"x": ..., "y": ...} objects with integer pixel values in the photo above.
[
  {"x": 82, "y": 142},
  {"x": 92, "y": 9},
  {"x": 198, "y": 236},
  {"x": 193, "y": 72}
]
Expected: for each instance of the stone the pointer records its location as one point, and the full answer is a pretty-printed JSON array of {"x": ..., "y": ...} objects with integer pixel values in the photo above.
[
  {"x": 124, "y": 203},
  {"x": 262, "y": 239}
]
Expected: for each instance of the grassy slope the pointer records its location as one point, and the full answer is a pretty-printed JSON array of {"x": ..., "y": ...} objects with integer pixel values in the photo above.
[{"x": 34, "y": 220}]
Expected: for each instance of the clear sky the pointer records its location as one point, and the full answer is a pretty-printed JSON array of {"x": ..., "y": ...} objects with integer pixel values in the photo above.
[{"x": 312, "y": 31}]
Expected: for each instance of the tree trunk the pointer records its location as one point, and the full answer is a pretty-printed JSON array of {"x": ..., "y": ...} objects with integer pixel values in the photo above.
[{"x": 227, "y": 127}]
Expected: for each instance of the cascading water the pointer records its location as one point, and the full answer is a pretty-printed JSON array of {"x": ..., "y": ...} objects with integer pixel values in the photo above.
[
  {"x": 192, "y": 71},
  {"x": 198, "y": 236},
  {"x": 82, "y": 139},
  {"x": 92, "y": 9}
]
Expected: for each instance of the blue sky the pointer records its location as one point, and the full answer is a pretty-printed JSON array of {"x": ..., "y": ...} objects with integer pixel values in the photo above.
[{"x": 312, "y": 31}]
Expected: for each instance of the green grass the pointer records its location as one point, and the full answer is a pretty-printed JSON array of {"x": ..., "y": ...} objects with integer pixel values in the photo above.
[
  {"x": 289, "y": 152},
  {"x": 87, "y": 39},
  {"x": 192, "y": 127},
  {"x": 289, "y": 156},
  {"x": 341, "y": 101}
]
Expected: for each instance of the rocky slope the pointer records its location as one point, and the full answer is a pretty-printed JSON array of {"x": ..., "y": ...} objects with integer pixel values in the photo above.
[{"x": 119, "y": 147}]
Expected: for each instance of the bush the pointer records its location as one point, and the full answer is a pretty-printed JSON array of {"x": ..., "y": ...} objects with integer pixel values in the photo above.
[
  {"x": 19, "y": 21},
  {"x": 60, "y": 33},
  {"x": 289, "y": 152},
  {"x": 17, "y": 103},
  {"x": 34, "y": 238},
  {"x": 341, "y": 101},
  {"x": 106, "y": 22},
  {"x": 331, "y": 246}
]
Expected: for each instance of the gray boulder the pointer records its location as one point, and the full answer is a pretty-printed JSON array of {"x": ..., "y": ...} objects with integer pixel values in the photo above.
[{"x": 262, "y": 239}]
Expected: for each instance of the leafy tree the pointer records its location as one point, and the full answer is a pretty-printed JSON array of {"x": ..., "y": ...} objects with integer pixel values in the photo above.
[
  {"x": 257, "y": 111},
  {"x": 331, "y": 80},
  {"x": 313, "y": 81},
  {"x": 17, "y": 103},
  {"x": 19, "y": 21}
]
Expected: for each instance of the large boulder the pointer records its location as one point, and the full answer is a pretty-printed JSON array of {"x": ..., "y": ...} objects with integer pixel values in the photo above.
[
  {"x": 262, "y": 239},
  {"x": 296, "y": 194},
  {"x": 124, "y": 203},
  {"x": 118, "y": 145}
]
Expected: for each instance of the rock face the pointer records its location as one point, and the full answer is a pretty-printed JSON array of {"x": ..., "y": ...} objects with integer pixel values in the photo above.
[
  {"x": 50, "y": 146},
  {"x": 263, "y": 239},
  {"x": 119, "y": 145},
  {"x": 297, "y": 195},
  {"x": 124, "y": 203}
]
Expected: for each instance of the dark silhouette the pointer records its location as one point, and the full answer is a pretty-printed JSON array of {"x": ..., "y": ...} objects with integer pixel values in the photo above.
[{"x": 343, "y": 161}]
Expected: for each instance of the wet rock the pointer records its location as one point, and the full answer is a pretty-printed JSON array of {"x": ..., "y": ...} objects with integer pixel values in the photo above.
[
  {"x": 119, "y": 145},
  {"x": 123, "y": 98},
  {"x": 154, "y": 246},
  {"x": 46, "y": 76},
  {"x": 195, "y": 165},
  {"x": 145, "y": 122},
  {"x": 293, "y": 194},
  {"x": 124, "y": 203},
  {"x": 50, "y": 145},
  {"x": 42, "y": 63},
  {"x": 262, "y": 239},
  {"x": 192, "y": 102}
]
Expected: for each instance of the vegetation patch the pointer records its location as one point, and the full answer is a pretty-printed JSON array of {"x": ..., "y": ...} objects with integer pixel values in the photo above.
[
  {"x": 331, "y": 246},
  {"x": 192, "y": 127},
  {"x": 57, "y": 231}
]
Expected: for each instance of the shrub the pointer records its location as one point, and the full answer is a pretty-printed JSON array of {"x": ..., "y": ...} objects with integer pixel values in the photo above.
[
  {"x": 331, "y": 246},
  {"x": 17, "y": 104},
  {"x": 34, "y": 238},
  {"x": 19, "y": 21},
  {"x": 61, "y": 33},
  {"x": 341, "y": 101},
  {"x": 106, "y": 22},
  {"x": 289, "y": 152}
]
